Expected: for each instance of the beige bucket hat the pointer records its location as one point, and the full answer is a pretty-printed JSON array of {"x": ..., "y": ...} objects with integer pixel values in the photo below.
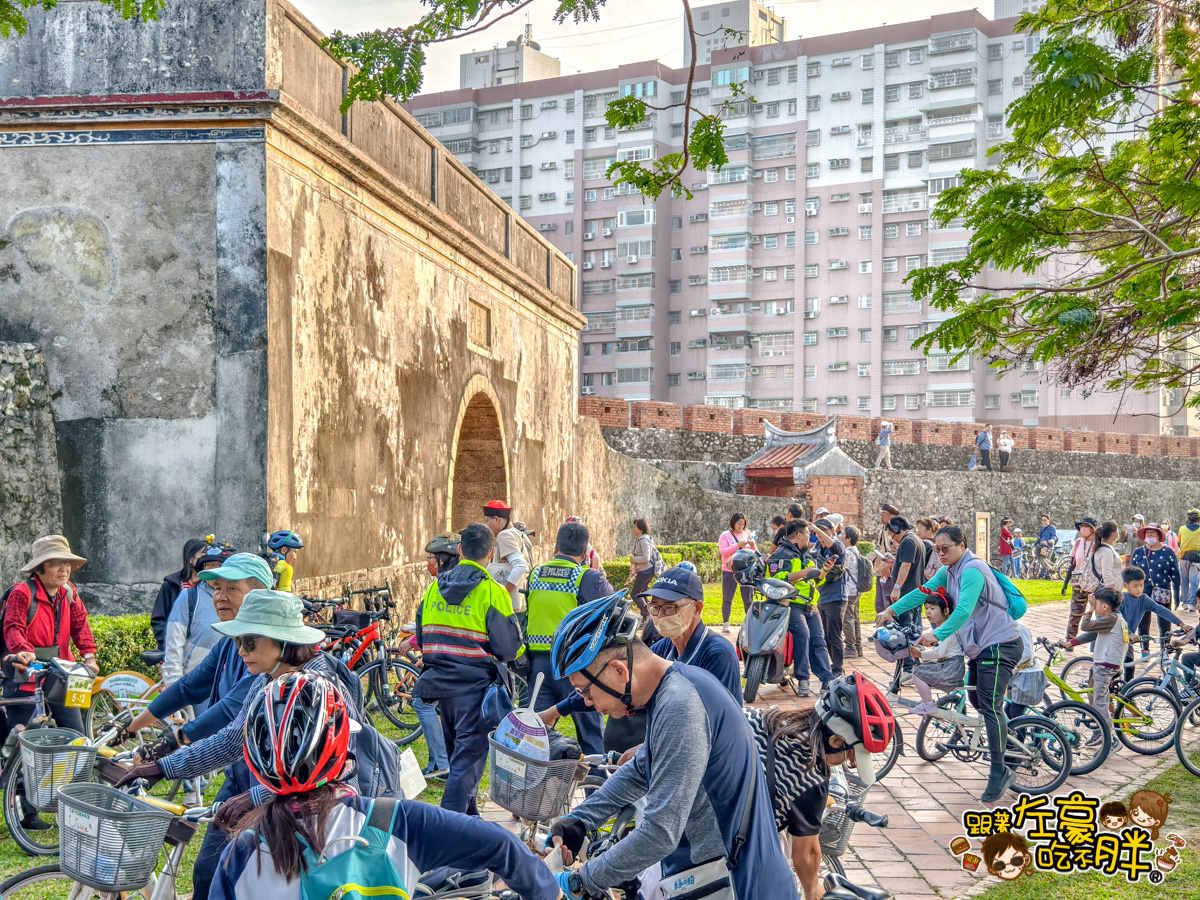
[{"x": 52, "y": 546}]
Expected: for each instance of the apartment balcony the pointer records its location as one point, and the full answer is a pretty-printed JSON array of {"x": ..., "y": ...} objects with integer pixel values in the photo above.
[
  {"x": 634, "y": 322},
  {"x": 730, "y": 323},
  {"x": 742, "y": 347},
  {"x": 903, "y": 135},
  {"x": 605, "y": 326},
  {"x": 956, "y": 119},
  {"x": 864, "y": 141},
  {"x": 951, "y": 43}
]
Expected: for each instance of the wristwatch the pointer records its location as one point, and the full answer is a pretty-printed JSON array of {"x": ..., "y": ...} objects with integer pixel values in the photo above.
[{"x": 575, "y": 884}]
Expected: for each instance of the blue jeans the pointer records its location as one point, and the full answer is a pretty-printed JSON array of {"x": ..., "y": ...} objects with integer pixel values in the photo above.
[
  {"x": 431, "y": 727},
  {"x": 238, "y": 780},
  {"x": 808, "y": 642},
  {"x": 1016, "y": 564},
  {"x": 1006, "y": 564}
]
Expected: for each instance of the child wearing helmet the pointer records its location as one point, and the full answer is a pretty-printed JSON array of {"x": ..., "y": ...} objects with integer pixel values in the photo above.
[
  {"x": 287, "y": 546},
  {"x": 297, "y": 746}
]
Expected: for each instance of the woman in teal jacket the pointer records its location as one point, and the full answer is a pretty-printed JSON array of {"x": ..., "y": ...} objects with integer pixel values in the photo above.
[{"x": 988, "y": 634}]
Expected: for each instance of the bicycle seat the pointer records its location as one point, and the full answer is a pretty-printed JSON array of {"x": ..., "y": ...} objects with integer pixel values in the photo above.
[
  {"x": 838, "y": 885},
  {"x": 153, "y": 657}
]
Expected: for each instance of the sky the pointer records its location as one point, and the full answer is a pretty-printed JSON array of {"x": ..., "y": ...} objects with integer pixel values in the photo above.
[{"x": 628, "y": 30}]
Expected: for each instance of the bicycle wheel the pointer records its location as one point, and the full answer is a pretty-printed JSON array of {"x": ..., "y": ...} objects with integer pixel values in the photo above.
[
  {"x": 1145, "y": 719},
  {"x": 387, "y": 695},
  {"x": 1088, "y": 734},
  {"x": 1078, "y": 676},
  {"x": 934, "y": 735},
  {"x": 1040, "y": 753},
  {"x": 45, "y": 883},
  {"x": 1185, "y": 757},
  {"x": 1146, "y": 681},
  {"x": 891, "y": 753},
  {"x": 35, "y": 832}
]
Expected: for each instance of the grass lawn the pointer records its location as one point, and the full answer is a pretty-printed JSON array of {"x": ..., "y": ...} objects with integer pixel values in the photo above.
[
  {"x": 1182, "y": 884},
  {"x": 1034, "y": 591}
]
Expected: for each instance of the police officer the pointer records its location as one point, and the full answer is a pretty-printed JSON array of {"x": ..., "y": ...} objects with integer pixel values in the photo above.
[
  {"x": 804, "y": 622},
  {"x": 464, "y": 625},
  {"x": 555, "y": 588}
]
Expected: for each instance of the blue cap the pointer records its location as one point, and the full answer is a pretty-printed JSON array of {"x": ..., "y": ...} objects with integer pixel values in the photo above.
[
  {"x": 677, "y": 583},
  {"x": 242, "y": 565}
]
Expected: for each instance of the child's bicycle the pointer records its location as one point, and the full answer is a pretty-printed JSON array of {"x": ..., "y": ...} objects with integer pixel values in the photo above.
[
  {"x": 1143, "y": 717},
  {"x": 1036, "y": 748}
]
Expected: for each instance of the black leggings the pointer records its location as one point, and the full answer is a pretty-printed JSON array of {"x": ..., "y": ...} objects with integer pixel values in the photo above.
[
  {"x": 729, "y": 586},
  {"x": 988, "y": 676}
]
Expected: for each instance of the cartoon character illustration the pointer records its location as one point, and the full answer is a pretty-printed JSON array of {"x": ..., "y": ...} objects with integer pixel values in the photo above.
[
  {"x": 1114, "y": 815},
  {"x": 1149, "y": 810},
  {"x": 1006, "y": 855}
]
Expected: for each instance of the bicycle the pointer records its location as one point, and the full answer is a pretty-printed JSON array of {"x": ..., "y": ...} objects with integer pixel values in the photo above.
[
  {"x": 1035, "y": 746},
  {"x": 1177, "y": 679},
  {"x": 116, "y": 834},
  {"x": 846, "y": 792},
  {"x": 1137, "y": 714}
]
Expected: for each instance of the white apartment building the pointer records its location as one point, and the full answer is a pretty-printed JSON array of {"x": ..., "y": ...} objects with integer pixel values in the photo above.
[
  {"x": 516, "y": 62},
  {"x": 780, "y": 283},
  {"x": 737, "y": 23}
]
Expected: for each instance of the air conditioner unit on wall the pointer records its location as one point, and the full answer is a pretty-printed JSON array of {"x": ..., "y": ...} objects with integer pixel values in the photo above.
[
  {"x": 588, "y": 265},
  {"x": 631, "y": 259},
  {"x": 791, "y": 220},
  {"x": 607, "y": 232}
]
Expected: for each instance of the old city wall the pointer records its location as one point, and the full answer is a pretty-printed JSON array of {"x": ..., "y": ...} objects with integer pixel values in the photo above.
[
  {"x": 259, "y": 313},
  {"x": 30, "y": 500}
]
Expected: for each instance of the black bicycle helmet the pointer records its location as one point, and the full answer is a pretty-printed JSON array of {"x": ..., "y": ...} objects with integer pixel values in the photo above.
[
  {"x": 217, "y": 552},
  {"x": 446, "y": 542},
  {"x": 747, "y": 566}
]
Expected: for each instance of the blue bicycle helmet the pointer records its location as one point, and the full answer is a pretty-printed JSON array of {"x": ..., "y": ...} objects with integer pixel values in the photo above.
[
  {"x": 588, "y": 629},
  {"x": 282, "y": 539}
]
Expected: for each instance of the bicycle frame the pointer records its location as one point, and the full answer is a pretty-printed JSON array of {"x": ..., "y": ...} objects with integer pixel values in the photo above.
[{"x": 1123, "y": 706}]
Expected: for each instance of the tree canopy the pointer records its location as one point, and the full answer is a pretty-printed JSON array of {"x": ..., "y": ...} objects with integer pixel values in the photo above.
[
  {"x": 390, "y": 62},
  {"x": 14, "y": 22},
  {"x": 1093, "y": 199}
]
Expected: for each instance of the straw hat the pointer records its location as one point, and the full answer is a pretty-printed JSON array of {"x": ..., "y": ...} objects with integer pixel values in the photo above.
[{"x": 52, "y": 546}]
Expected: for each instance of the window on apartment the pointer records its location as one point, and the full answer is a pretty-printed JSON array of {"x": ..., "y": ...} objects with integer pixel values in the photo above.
[
  {"x": 864, "y": 335},
  {"x": 867, "y": 95},
  {"x": 864, "y": 267},
  {"x": 891, "y": 334},
  {"x": 810, "y": 339},
  {"x": 867, "y": 164},
  {"x": 674, "y": 317},
  {"x": 864, "y": 232},
  {"x": 864, "y": 301},
  {"x": 891, "y": 93},
  {"x": 890, "y": 264},
  {"x": 912, "y": 229}
]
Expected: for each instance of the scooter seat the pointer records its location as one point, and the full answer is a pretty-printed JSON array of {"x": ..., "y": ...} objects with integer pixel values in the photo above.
[{"x": 840, "y": 883}]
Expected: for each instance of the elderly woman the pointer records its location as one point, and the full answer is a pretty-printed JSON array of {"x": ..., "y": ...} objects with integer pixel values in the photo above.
[
  {"x": 1163, "y": 582},
  {"x": 42, "y": 617}
]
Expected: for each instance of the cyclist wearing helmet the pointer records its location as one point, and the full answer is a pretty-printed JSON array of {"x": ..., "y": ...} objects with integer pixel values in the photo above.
[
  {"x": 706, "y": 799},
  {"x": 297, "y": 747},
  {"x": 441, "y": 555},
  {"x": 798, "y": 748},
  {"x": 989, "y": 636},
  {"x": 287, "y": 546},
  {"x": 556, "y": 588},
  {"x": 189, "y": 634},
  {"x": 465, "y": 625}
]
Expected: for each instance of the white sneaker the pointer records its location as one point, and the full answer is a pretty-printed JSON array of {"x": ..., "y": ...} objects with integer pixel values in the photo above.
[
  {"x": 906, "y": 678},
  {"x": 924, "y": 708}
]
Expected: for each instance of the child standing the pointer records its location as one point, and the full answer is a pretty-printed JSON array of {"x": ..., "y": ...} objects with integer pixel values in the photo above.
[
  {"x": 1112, "y": 637},
  {"x": 942, "y": 666},
  {"x": 1018, "y": 551}
]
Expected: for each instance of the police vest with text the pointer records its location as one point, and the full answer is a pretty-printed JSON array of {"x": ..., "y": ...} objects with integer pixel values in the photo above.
[
  {"x": 785, "y": 566},
  {"x": 460, "y": 629},
  {"x": 553, "y": 592}
]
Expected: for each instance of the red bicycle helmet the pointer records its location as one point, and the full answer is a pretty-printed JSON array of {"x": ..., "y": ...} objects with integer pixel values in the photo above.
[
  {"x": 297, "y": 734},
  {"x": 857, "y": 711}
]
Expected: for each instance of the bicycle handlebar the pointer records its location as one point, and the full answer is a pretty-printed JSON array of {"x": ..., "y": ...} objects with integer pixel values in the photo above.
[{"x": 860, "y": 813}]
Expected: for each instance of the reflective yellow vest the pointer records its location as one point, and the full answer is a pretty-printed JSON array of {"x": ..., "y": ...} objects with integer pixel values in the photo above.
[
  {"x": 553, "y": 592},
  {"x": 460, "y": 629}
]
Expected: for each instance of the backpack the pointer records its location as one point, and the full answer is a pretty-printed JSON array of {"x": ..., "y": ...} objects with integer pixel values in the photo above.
[
  {"x": 33, "y": 605},
  {"x": 656, "y": 560},
  {"x": 378, "y": 758},
  {"x": 1017, "y": 604},
  {"x": 363, "y": 872},
  {"x": 863, "y": 576}
]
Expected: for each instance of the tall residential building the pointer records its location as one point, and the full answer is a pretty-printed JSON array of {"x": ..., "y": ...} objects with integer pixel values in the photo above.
[
  {"x": 516, "y": 62},
  {"x": 780, "y": 283},
  {"x": 1006, "y": 9},
  {"x": 737, "y": 23}
]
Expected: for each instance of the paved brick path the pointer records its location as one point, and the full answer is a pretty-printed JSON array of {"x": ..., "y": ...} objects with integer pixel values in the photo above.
[{"x": 925, "y": 801}]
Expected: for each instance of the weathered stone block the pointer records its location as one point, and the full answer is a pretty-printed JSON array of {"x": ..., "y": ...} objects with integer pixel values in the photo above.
[
  {"x": 714, "y": 419},
  {"x": 652, "y": 414},
  {"x": 749, "y": 421}
]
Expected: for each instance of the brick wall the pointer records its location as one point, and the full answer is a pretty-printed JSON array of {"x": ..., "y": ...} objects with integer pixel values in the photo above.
[
  {"x": 839, "y": 493},
  {"x": 716, "y": 419},
  {"x": 610, "y": 412},
  {"x": 1045, "y": 438},
  {"x": 1114, "y": 442},
  {"x": 649, "y": 414},
  {"x": 614, "y": 413},
  {"x": 749, "y": 421},
  {"x": 1145, "y": 445},
  {"x": 1081, "y": 441},
  {"x": 854, "y": 428}
]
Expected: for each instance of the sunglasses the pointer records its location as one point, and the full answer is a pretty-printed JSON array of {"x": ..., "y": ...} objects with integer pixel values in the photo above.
[{"x": 245, "y": 642}]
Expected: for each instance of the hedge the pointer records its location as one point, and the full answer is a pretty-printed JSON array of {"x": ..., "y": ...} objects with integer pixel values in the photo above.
[{"x": 120, "y": 641}]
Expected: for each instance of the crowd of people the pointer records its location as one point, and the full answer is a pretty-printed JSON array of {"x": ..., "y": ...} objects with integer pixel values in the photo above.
[{"x": 637, "y": 669}]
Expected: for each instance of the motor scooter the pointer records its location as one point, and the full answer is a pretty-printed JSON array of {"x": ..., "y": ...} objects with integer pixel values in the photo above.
[{"x": 764, "y": 645}]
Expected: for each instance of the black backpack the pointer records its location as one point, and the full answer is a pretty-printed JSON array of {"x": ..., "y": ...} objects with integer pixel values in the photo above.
[
  {"x": 863, "y": 576},
  {"x": 33, "y": 602}
]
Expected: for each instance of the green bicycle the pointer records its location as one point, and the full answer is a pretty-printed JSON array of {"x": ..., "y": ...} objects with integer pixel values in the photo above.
[{"x": 1143, "y": 718}]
